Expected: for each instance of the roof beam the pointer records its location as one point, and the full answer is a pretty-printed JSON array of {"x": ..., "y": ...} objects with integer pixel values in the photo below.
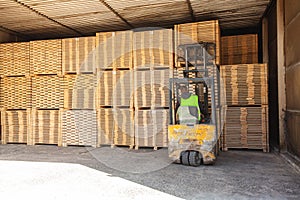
[
  {"x": 15, "y": 33},
  {"x": 116, "y": 13},
  {"x": 191, "y": 10},
  {"x": 45, "y": 16}
]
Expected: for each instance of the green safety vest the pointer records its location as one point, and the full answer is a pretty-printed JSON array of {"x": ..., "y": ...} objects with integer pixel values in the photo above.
[{"x": 192, "y": 101}]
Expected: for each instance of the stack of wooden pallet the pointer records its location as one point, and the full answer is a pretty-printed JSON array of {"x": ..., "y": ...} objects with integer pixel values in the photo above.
[
  {"x": 78, "y": 116},
  {"x": 239, "y": 49},
  {"x": 47, "y": 91},
  {"x": 246, "y": 124},
  {"x": 153, "y": 66},
  {"x": 15, "y": 92},
  {"x": 115, "y": 83}
]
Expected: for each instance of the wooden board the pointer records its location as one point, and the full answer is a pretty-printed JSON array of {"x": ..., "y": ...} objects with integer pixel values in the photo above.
[
  {"x": 78, "y": 55},
  {"x": 80, "y": 91},
  {"x": 47, "y": 92},
  {"x": 239, "y": 49},
  {"x": 205, "y": 31},
  {"x": 79, "y": 127},
  {"x": 246, "y": 127},
  {"x": 153, "y": 49},
  {"x": 151, "y": 88},
  {"x": 46, "y": 57},
  {"x": 245, "y": 84},
  {"x": 46, "y": 127},
  {"x": 151, "y": 128},
  {"x": 15, "y": 92},
  {"x": 14, "y": 59},
  {"x": 114, "y": 50},
  {"x": 15, "y": 126}
]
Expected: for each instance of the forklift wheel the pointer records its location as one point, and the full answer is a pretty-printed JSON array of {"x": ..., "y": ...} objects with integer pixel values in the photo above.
[
  {"x": 194, "y": 158},
  {"x": 184, "y": 157}
]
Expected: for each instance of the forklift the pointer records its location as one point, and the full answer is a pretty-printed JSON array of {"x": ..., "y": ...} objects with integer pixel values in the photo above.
[{"x": 192, "y": 141}]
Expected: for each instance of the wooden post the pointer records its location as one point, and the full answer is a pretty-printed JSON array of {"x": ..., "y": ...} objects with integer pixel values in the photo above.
[
  {"x": 265, "y": 40},
  {"x": 281, "y": 73}
]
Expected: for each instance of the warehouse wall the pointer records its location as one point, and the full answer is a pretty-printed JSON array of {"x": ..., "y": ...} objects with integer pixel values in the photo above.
[{"x": 292, "y": 62}]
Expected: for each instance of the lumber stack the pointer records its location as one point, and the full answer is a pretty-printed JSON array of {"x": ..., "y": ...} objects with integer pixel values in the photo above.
[
  {"x": 79, "y": 127},
  {"x": 123, "y": 127},
  {"x": 105, "y": 119},
  {"x": 78, "y": 55},
  {"x": 239, "y": 49},
  {"x": 246, "y": 123},
  {"x": 192, "y": 33}
]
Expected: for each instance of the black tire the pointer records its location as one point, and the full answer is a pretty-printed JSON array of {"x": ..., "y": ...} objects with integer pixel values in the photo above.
[
  {"x": 194, "y": 159},
  {"x": 184, "y": 157}
]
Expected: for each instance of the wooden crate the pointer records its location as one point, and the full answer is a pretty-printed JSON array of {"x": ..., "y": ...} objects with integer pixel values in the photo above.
[
  {"x": 46, "y": 127},
  {"x": 79, "y": 127},
  {"x": 105, "y": 126},
  {"x": 78, "y": 55},
  {"x": 15, "y": 92},
  {"x": 191, "y": 33},
  {"x": 47, "y": 92},
  {"x": 14, "y": 59},
  {"x": 151, "y": 88},
  {"x": 15, "y": 126},
  {"x": 245, "y": 84},
  {"x": 80, "y": 91},
  {"x": 239, "y": 49},
  {"x": 246, "y": 127},
  {"x": 153, "y": 49},
  {"x": 151, "y": 128},
  {"x": 46, "y": 57},
  {"x": 115, "y": 88},
  {"x": 114, "y": 50},
  {"x": 124, "y": 127}
]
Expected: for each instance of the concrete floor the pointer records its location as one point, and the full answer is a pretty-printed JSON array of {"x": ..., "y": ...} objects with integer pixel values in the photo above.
[{"x": 236, "y": 174}]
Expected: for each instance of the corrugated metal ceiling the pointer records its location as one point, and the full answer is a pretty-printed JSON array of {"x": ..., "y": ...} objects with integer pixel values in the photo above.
[{"x": 40, "y": 19}]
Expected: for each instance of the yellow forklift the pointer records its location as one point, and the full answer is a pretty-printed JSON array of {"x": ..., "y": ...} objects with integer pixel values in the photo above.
[{"x": 194, "y": 141}]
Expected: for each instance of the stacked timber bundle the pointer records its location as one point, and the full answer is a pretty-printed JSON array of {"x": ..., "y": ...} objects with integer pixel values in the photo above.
[
  {"x": 240, "y": 49},
  {"x": 78, "y": 55},
  {"x": 151, "y": 128},
  {"x": 15, "y": 92},
  {"x": 105, "y": 119},
  {"x": 114, "y": 50},
  {"x": 246, "y": 123},
  {"x": 79, "y": 127}
]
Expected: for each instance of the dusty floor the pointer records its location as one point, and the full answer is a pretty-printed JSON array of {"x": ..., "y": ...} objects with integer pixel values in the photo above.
[{"x": 236, "y": 174}]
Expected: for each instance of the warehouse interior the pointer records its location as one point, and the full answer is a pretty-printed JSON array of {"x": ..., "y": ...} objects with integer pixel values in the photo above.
[{"x": 276, "y": 22}]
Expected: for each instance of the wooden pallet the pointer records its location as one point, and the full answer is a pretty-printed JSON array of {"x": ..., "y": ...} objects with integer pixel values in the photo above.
[
  {"x": 115, "y": 88},
  {"x": 153, "y": 49},
  {"x": 151, "y": 128},
  {"x": 245, "y": 84},
  {"x": 114, "y": 50},
  {"x": 47, "y": 92},
  {"x": 15, "y": 126},
  {"x": 15, "y": 92},
  {"x": 80, "y": 91},
  {"x": 79, "y": 127},
  {"x": 240, "y": 49},
  {"x": 14, "y": 59},
  {"x": 124, "y": 127},
  {"x": 78, "y": 55},
  {"x": 46, "y": 57},
  {"x": 105, "y": 126},
  {"x": 151, "y": 88},
  {"x": 46, "y": 127},
  {"x": 246, "y": 127},
  {"x": 191, "y": 33}
]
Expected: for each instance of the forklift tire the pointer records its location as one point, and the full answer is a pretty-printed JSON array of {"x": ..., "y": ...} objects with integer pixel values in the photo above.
[
  {"x": 194, "y": 159},
  {"x": 184, "y": 157}
]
